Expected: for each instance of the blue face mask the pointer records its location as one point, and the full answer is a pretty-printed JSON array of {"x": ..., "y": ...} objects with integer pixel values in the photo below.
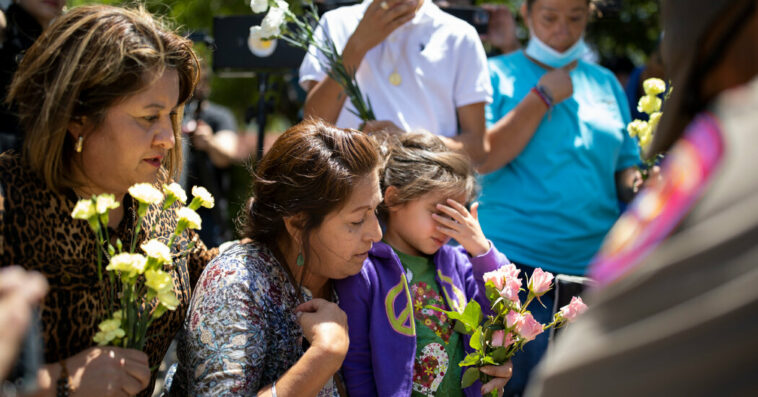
[{"x": 542, "y": 52}]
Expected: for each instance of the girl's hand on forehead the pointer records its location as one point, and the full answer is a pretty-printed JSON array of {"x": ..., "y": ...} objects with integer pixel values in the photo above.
[{"x": 463, "y": 226}]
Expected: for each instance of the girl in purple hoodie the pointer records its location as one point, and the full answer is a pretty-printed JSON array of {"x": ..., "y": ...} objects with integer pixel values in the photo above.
[{"x": 398, "y": 347}]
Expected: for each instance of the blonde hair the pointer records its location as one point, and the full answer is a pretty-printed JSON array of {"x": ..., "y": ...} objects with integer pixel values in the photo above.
[
  {"x": 418, "y": 163},
  {"x": 88, "y": 60}
]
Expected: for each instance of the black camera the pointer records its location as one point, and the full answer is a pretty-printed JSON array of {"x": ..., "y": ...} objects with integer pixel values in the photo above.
[
  {"x": 23, "y": 376},
  {"x": 478, "y": 17}
]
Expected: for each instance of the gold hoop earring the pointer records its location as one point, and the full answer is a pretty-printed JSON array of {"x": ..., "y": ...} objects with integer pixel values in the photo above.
[{"x": 79, "y": 144}]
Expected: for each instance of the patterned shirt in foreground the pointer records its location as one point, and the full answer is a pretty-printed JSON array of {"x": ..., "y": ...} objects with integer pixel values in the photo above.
[{"x": 240, "y": 333}]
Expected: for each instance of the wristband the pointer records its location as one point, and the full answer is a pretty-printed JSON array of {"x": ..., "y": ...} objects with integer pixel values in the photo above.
[
  {"x": 63, "y": 389},
  {"x": 544, "y": 95},
  {"x": 273, "y": 389}
]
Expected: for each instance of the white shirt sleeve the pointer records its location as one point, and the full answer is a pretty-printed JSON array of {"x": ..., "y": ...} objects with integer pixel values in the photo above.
[{"x": 472, "y": 80}]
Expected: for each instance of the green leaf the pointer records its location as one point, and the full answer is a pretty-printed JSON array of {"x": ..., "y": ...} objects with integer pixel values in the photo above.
[
  {"x": 500, "y": 354},
  {"x": 495, "y": 326},
  {"x": 476, "y": 340},
  {"x": 489, "y": 360},
  {"x": 471, "y": 359},
  {"x": 453, "y": 315},
  {"x": 499, "y": 300},
  {"x": 469, "y": 377},
  {"x": 462, "y": 328},
  {"x": 472, "y": 314},
  {"x": 491, "y": 292}
]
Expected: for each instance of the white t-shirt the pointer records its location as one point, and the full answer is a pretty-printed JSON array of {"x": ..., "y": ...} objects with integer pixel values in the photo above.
[{"x": 439, "y": 58}]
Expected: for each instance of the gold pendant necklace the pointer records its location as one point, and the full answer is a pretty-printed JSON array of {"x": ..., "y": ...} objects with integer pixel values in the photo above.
[{"x": 395, "y": 78}]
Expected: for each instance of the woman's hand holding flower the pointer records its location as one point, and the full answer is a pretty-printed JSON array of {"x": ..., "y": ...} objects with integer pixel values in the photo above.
[
  {"x": 501, "y": 374},
  {"x": 108, "y": 371}
]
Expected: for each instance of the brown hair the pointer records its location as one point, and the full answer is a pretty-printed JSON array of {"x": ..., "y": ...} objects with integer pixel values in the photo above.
[
  {"x": 88, "y": 60},
  {"x": 311, "y": 170},
  {"x": 419, "y": 163}
]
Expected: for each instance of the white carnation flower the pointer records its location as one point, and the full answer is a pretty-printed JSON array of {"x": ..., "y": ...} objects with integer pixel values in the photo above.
[
  {"x": 105, "y": 203},
  {"x": 205, "y": 198},
  {"x": 189, "y": 218},
  {"x": 159, "y": 281},
  {"x": 157, "y": 250},
  {"x": 84, "y": 209},
  {"x": 259, "y": 6},
  {"x": 272, "y": 22},
  {"x": 168, "y": 299},
  {"x": 131, "y": 264},
  {"x": 175, "y": 190},
  {"x": 145, "y": 193}
]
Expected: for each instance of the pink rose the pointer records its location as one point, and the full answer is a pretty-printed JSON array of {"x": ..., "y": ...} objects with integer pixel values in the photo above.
[
  {"x": 573, "y": 309},
  {"x": 497, "y": 337},
  {"x": 513, "y": 318},
  {"x": 510, "y": 289},
  {"x": 508, "y": 340},
  {"x": 540, "y": 282},
  {"x": 500, "y": 338},
  {"x": 510, "y": 270},
  {"x": 496, "y": 277},
  {"x": 506, "y": 281},
  {"x": 530, "y": 327}
]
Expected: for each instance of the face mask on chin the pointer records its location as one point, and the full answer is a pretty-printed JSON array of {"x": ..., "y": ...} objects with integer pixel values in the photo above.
[{"x": 538, "y": 50}]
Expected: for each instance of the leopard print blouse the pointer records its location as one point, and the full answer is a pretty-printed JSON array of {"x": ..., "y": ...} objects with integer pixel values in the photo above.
[{"x": 38, "y": 233}]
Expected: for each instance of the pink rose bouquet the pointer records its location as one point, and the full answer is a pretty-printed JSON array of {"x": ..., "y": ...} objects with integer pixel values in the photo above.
[{"x": 498, "y": 337}]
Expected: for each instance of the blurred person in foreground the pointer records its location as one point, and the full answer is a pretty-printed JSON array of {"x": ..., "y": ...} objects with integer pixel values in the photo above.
[
  {"x": 677, "y": 308},
  {"x": 99, "y": 97},
  {"x": 20, "y": 292}
]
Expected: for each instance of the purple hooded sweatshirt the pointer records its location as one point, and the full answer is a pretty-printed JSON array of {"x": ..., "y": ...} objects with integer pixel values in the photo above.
[{"x": 379, "y": 309}]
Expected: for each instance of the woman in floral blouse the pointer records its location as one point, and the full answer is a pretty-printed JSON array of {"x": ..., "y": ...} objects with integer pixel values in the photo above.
[{"x": 262, "y": 320}]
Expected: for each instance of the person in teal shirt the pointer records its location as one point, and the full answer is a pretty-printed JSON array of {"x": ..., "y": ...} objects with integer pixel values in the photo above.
[{"x": 560, "y": 158}]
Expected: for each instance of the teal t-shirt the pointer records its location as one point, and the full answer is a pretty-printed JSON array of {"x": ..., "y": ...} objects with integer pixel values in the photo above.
[
  {"x": 553, "y": 204},
  {"x": 439, "y": 348}
]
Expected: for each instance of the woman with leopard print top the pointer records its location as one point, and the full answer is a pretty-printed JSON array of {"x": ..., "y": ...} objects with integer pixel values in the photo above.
[{"x": 99, "y": 97}]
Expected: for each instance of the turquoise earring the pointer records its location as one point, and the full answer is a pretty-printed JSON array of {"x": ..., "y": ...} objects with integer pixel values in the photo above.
[{"x": 300, "y": 261}]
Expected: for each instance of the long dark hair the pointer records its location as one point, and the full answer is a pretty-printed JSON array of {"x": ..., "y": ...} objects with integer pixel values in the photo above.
[{"x": 311, "y": 170}]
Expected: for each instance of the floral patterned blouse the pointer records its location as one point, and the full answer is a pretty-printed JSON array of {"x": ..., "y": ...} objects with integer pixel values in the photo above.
[{"x": 240, "y": 333}]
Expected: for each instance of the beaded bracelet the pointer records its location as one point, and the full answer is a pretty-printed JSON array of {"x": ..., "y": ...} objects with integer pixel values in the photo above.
[
  {"x": 63, "y": 389},
  {"x": 544, "y": 95}
]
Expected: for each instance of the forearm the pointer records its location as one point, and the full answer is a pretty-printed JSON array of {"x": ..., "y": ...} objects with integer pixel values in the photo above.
[
  {"x": 510, "y": 135},
  {"x": 223, "y": 148},
  {"x": 326, "y": 98},
  {"x": 472, "y": 144},
  {"x": 471, "y": 139},
  {"x": 309, "y": 374}
]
